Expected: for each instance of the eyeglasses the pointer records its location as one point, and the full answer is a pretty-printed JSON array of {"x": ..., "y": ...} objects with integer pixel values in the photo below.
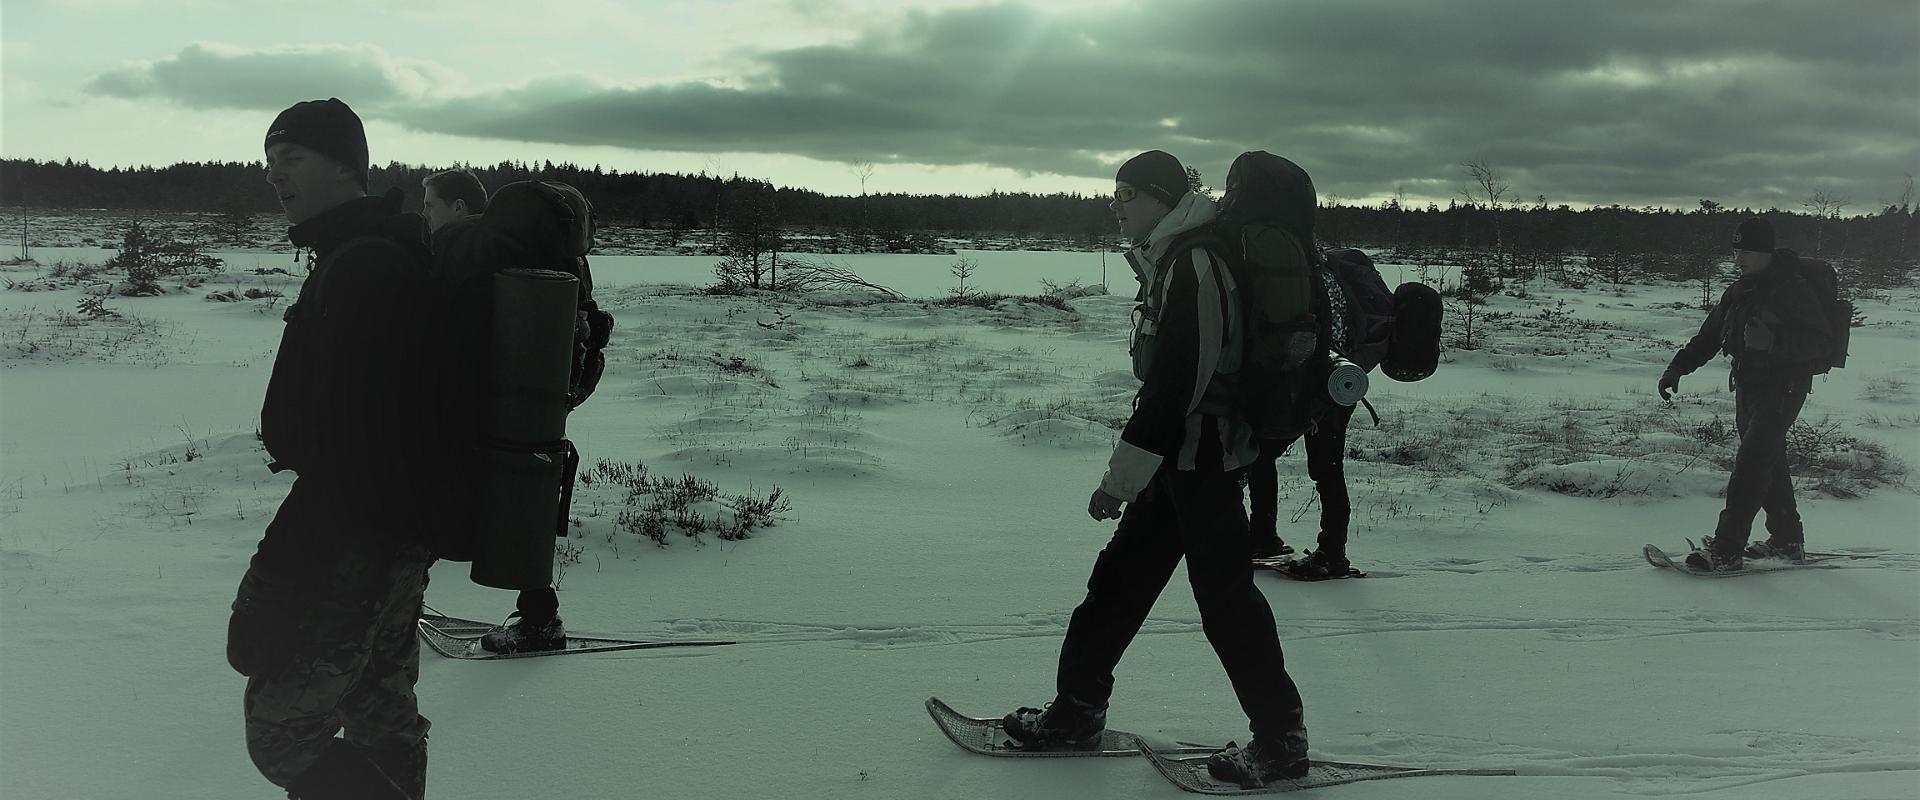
[{"x": 1125, "y": 194}]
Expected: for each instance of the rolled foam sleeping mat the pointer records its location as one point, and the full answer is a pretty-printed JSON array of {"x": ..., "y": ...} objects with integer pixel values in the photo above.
[
  {"x": 520, "y": 505},
  {"x": 525, "y": 424},
  {"x": 532, "y": 351},
  {"x": 1346, "y": 382}
]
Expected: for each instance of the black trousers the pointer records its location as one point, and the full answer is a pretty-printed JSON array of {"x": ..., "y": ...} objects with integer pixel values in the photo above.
[
  {"x": 1763, "y": 412},
  {"x": 539, "y": 603},
  {"x": 1197, "y": 515},
  {"x": 1326, "y": 460}
]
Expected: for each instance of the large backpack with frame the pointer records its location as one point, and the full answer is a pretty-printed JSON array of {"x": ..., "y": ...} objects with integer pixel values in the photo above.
[
  {"x": 521, "y": 345},
  {"x": 1305, "y": 309}
]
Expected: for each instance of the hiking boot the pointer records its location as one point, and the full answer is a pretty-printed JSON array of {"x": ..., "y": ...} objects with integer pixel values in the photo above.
[
  {"x": 1064, "y": 724},
  {"x": 1319, "y": 565},
  {"x": 1269, "y": 546},
  {"x": 1261, "y": 761},
  {"x": 1708, "y": 559},
  {"x": 1709, "y": 556},
  {"x": 1790, "y": 551},
  {"x": 525, "y": 635}
]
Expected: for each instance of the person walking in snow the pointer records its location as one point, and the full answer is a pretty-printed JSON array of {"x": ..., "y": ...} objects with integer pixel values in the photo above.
[
  {"x": 323, "y": 623},
  {"x": 1290, "y": 195},
  {"x": 1326, "y": 446},
  {"x": 1173, "y": 483},
  {"x": 458, "y": 196},
  {"x": 1772, "y": 324}
]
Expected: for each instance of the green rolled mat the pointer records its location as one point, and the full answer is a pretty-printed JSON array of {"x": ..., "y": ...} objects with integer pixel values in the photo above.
[
  {"x": 525, "y": 454},
  {"x": 519, "y": 508},
  {"x": 532, "y": 351}
]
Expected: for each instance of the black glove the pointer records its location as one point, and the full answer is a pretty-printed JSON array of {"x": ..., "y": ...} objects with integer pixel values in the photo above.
[
  {"x": 1669, "y": 383},
  {"x": 263, "y": 631}
]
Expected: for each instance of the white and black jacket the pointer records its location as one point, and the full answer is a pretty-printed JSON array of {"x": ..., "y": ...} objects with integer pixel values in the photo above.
[{"x": 1186, "y": 349}]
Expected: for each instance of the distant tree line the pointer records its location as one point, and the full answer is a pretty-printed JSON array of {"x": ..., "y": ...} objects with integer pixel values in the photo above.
[
  {"x": 662, "y": 201},
  {"x": 1614, "y": 243},
  {"x": 1497, "y": 238}
]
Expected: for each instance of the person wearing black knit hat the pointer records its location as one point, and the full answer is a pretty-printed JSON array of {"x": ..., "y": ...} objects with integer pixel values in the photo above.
[
  {"x": 1173, "y": 483},
  {"x": 323, "y": 623},
  {"x": 1774, "y": 327},
  {"x": 1157, "y": 174},
  {"x": 316, "y": 157}
]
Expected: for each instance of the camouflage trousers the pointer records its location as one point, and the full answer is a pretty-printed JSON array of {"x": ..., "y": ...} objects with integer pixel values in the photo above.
[{"x": 349, "y": 665}]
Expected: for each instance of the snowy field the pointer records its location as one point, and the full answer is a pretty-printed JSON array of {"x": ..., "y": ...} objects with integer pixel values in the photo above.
[{"x": 939, "y": 461}]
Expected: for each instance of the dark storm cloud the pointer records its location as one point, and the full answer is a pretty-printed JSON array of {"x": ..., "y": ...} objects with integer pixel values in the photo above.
[{"x": 1751, "y": 103}]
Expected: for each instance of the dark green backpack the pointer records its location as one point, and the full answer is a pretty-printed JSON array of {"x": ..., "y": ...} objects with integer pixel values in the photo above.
[{"x": 1825, "y": 282}]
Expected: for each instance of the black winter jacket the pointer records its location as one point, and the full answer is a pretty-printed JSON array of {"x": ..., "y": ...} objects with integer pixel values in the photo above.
[
  {"x": 1186, "y": 350},
  {"x": 1770, "y": 323},
  {"x": 347, "y": 407}
]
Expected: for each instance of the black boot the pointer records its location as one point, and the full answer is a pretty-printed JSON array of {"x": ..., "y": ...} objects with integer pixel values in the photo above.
[
  {"x": 406, "y": 767},
  {"x": 1773, "y": 548},
  {"x": 1269, "y": 546},
  {"x": 1261, "y": 761},
  {"x": 1320, "y": 565},
  {"x": 525, "y": 634},
  {"x": 343, "y": 773},
  {"x": 1063, "y": 724},
  {"x": 1712, "y": 556}
]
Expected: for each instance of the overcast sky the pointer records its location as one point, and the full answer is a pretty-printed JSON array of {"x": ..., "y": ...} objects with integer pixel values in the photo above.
[{"x": 1749, "y": 103}]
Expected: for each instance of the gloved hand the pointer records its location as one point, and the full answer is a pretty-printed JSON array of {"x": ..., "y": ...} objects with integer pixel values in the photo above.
[
  {"x": 263, "y": 631},
  {"x": 1669, "y": 383}
]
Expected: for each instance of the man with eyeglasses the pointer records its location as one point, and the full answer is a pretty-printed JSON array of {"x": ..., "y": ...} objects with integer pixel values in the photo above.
[{"x": 1173, "y": 483}]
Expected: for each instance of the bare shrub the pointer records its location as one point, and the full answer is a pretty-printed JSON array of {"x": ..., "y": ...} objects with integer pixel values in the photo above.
[
  {"x": 656, "y": 507},
  {"x": 1837, "y": 464}
]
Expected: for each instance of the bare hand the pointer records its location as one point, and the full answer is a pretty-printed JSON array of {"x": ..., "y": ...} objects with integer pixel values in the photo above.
[{"x": 1104, "y": 506}]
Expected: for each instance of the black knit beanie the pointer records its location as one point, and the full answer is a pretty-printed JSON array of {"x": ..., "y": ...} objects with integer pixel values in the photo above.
[
  {"x": 327, "y": 127},
  {"x": 1754, "y": 234},
  {"x": 1157, "y": 173}
]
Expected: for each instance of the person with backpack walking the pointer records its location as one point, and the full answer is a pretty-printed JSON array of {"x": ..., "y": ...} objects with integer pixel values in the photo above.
[
  {"x": 1320, "y": 321},
  {"x": 1264, "y": 188},
  {"x": 1774, "y": 324},
  {"x": 458, "y": 196},
  {"x": 548, "y": 226},
  {"x": 1173, "y": 483},
  {"x": 1326, "y": 445},
  {"x": 323, "y": 623}
]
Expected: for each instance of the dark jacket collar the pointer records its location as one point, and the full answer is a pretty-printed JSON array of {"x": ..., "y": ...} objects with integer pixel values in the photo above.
[
  {"x": 360, "y": 216},
  {"x": 1785, "y": 264}
]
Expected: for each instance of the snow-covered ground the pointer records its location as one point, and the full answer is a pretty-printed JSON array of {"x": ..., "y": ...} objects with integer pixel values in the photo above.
[{"x": 939, "y": 460}]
